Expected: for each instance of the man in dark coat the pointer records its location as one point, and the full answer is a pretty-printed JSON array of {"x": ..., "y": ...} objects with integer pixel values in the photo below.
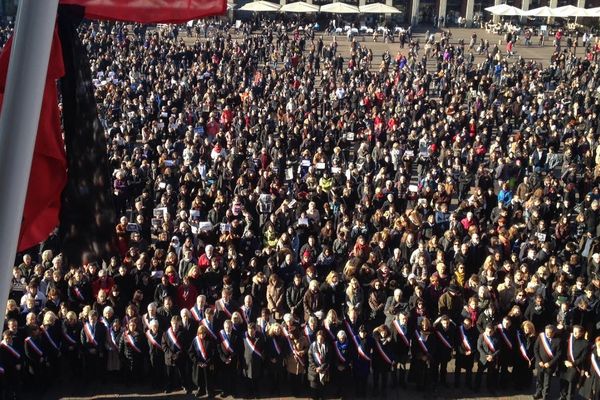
[
  {"x": 174, "y": 354},
  {"x": 93, "y": 346},
  {"x": 319, "y": 355},
  {"x": 576, "y": 356},
  {"x": 201, "y": 353},
  {"x": 548, "y": 353},
  {"x": 253, "y": 359},
  {"x": 488, "y": 346}
]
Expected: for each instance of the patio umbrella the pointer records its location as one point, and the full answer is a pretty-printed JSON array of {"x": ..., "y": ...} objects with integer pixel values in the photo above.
[
  {"x": 593, "y": 12},
  {"x": 339, "y": 8},
  {"x": 299, "y": 7},
  {"x": 570, "y": 11},
  {"x": 504, "y": 10},
  {"x": 378, "y": 8},
  {"x": 540, "y": 12},
  {"x": 260, "y": 6}
]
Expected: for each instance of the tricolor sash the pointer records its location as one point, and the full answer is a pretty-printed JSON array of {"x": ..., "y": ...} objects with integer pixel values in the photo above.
[
  {"x": 12, "y": 351},
  {"x": 339, "y": 353},
  {"x": 318, "y": 356},
  {"x": 210, "y": 331},
  {"x": 307, "y": 332},
  {"x": 246, "y": 317},
  {"x": 47, "y": 334},
  {"x": 294, "y": 352},
  {"x": 69, "y": 338},
  {"x": 522, "y": 349},
  {"x": 253, "y": 347},
  {"x": 78, "y": 293},
  {"x": 200, "y": 349},
  {"x": 224, "y": 308},
  {"x": 489, "y": 343},
  {"x": 146, "y": 320},
  {"x": 328, "y": 330},
  {"x": 107, "y": 324},
  {"x": 196, "y": 313},
  {"x": 570, "y": 354},
  {"x": 87, "y": 329},
  {"x": 34, "y": 347},
  {"x": 382, "y": 353},
  {"x": 401, "y": 332},
  {"x": 276, "y": 345},
  {"x": 504, "y": 337},
  {"x": 546, "y": 345},
  {"x": 131, "y": 343},
  {"x": 173, "y": 338},
  {"x": 421, "y": 342},
  {"x": 113, "y": 339},
  {"x": 443, "y": 339},
  {"x": 225, "y": 342},
  {"x": 153, "y": 341},
  {"x": 464, "y": 339},
  {"x": 595, "y": 364}
]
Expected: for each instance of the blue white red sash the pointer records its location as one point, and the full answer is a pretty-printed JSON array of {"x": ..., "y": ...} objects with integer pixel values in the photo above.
[
  {"x": 328, "y": 330},
  {"x": 443, "y": 339},
  {"x": 489, "y": 343},
  {"x": 246, "y": 317},
  {"x": 276, "y": 345},
  {"x": 464, "y": 339},
  {"x": 153, "y": 341},
  {"x": 382, "y": 353},
  {"x": 200, "y": 349},
  {"x": 78, "y": 293},
  {"x": 196, "y": 313},
  {"x": 34, "y": 347},
  {"x": 131, "y": 343},
  {"x": 47, "y": 334},
  {"x": 146, "y": 320},
  {"x": 87, "y": 329},
  {"x": 69, "y": 338},
  {"x": 504, "y": 337},
  {"x": 224, "y": 308},
  {"x": 294, "y": 352},
  {"x": 173, "y": 338},
  {"x": 595, "y": 365},
  {"x": 225, "y": 341},
  {"x": 546, "y": 345},
  {"x": 421, "y": 342},
  {"x": 339, "y": 353},
  {"x": 210, "y": 331},
  {"x": 253, "y": 347},
  {"x": 522, "y": 349},
  {"x": 107, "y": 324},
  {"x": 570, "y": 353},
  {"x": 318, "y": 357},
  {"x": 307, "y": 332},
  {"x": 12, "y": 351},
  {"x": 401, "y": 332},
  {"x": 113, "y": 339}
]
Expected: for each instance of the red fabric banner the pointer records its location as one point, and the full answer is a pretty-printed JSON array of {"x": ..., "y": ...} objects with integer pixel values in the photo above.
[
  {"x": 150, "y": 11},
  {"x": 49, "y": 166}
]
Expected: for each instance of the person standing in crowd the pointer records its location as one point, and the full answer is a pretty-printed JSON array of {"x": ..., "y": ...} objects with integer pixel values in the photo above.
[
  {"x": 548, "y": 353},
  {"x": 253, "y": 360},
  {"x": 525, "y": 359},
  {"x": 401, "y": 343},
  {"x": 201, "y": 353},
  {"x": 424, "y": 350},
  {"x": 466, "y": 352},
  {"x": 383, "y": 359},
  {"x": 93, "y": 339},
  {"x": 488, "y": 347},
  {"x": 591, "y": 388},
  {"x": 319, "y": 364},
  {"x": 133, "y": 348},
  {"x": 156, "y": 353},
  {"x": 576, "y": 349},
  {"x": 174, "y": 358}
]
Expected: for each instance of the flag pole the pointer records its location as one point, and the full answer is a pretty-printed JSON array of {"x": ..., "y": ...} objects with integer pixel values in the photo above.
[{"x": 19, "y": 119}]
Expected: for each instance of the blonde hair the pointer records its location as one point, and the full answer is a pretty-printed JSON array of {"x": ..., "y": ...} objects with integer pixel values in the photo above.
[
  {"x": 530, "y": 325},
  {"x": 49, "y": 318}
]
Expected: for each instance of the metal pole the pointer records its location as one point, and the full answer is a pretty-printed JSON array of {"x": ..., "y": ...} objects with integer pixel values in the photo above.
[{"x": 19, "y": 120}]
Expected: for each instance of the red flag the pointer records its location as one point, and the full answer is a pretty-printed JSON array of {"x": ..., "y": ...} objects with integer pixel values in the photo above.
[
  {"x": 150, "y": 11},
  {"x": 49, "y": 166}
]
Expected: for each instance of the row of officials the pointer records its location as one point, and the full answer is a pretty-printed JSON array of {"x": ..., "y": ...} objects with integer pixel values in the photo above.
[{"x": 244, "y": 359}]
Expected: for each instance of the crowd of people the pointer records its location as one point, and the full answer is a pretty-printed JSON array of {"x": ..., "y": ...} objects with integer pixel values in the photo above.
[{"x": 291, "y": 214}]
